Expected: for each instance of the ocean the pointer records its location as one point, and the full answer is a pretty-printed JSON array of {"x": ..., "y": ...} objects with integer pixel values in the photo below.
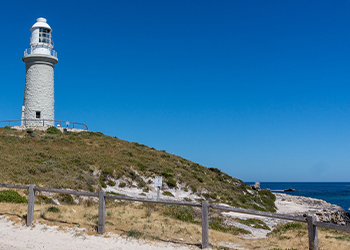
[{"x": 337, "y": 193}]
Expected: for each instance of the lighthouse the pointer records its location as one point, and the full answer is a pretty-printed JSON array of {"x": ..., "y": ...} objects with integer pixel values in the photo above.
[{"x": 38, "y": 103}]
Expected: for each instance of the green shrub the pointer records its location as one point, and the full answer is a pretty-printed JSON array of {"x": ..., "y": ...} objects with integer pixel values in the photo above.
[
  {"x": 209, "y": 195},
  {"x": 171, "y": 183},
  {"x": 66, "y": 199},
  {"x": 281, "y": 228},
  {"x": 103, "y": 184},
  {"x": 122, "y": 184},
  {"x": 111, "y": 183},
  {"x": 230, "y": 229},
  {"x": 90, "y": 187},
  {"x": 11, "y": 196},
  {"x": 53, "y": 130},
  {"x": 134, "y": 233},
  {"x": 9, "y": 128},
  {"x": 167, "y": 193},
  {"x": 53, "y": 210},
  {"x": 116, "y": 193},
  {"x": 44, "y": 199},
  {"x": 215, "y": 170},
  {"x": 105, "y": 173},
  {"x": 141, "y": 183},
  {"x": 167, "y": 174},
  {"x": 200, "y": 179},
  {"x": 128, "y": 153},
  {"x": 257, "y": 208}
]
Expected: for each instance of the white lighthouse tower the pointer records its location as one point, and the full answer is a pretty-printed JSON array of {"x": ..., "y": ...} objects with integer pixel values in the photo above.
[{"x": 40, "y": 59}]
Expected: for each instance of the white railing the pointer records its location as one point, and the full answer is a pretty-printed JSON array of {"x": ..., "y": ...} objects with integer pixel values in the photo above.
[{"x": 28, "y": 51}]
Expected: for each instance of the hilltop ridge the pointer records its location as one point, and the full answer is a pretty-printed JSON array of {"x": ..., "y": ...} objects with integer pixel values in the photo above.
[{"x": 93, "y": 161}]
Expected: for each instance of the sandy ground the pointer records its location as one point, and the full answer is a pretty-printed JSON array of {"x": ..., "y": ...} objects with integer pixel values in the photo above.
[{"x": 15, "y": 237}]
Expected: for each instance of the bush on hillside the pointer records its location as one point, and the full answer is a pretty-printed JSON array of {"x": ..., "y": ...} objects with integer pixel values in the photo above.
[
  {"x": 43, "y": 199},
  {"x": 11, "y": 196},
  {"x": 53, "y": 210},
  {"x": 167, "y": 193},
  {"x": 171, "y": 183},
  {"x": 53, "y": 130},
  {"x": 103, "y": 184},
  {"x": 66, "y": 199},
  {"x": 8, "y": 128}
]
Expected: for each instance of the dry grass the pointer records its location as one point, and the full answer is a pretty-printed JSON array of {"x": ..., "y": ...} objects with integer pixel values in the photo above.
[{"x": 147, "y": 221}]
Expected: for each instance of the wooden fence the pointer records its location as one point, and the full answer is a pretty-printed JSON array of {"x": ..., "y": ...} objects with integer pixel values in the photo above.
[{"x": 102, "y": 196}]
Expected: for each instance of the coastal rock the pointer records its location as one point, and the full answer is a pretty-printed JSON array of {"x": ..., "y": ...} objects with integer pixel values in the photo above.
[
  {"x": 289, "y": 190},
  {"x": 300, "y": 205},
  {"x": 256, "y": 186},
  {"x": 339, "y": 217}
]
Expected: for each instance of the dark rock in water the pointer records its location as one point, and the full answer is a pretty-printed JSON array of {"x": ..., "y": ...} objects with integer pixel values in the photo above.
[
  {"x": 289, "y": 190},
  {"x": 256, "y": 186}
]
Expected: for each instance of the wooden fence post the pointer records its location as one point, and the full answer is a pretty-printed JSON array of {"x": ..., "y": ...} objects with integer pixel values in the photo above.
[
  {"x": 31, "y": 199},
  {"x": 205, "y": 224},
  {"x": 101, "y": 212},
  {"x": 313, "y": 237}
]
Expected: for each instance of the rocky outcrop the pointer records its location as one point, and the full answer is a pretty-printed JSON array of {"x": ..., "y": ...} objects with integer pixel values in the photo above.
[
  {"x": 340, "y": 217},
  {"x": 256, "y": 186},
  {"x": 300, "y": 205}
]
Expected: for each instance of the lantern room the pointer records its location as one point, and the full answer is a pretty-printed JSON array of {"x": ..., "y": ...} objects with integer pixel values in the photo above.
[{"x": 41, "y": 40}]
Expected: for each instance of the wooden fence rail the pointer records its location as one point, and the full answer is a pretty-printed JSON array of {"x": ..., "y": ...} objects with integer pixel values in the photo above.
[{"x": 102, "y": 196}]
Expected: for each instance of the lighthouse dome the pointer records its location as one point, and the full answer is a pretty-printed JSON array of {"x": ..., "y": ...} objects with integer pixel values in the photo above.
[
  {"x": 41, "y": 23},
  {"x": 41, "y": 40}
]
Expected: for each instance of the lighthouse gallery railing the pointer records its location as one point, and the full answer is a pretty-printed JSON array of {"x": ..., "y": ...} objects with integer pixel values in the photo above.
[
  {"x": 46, "y": 122},
  {"x": 28, "y": 51}
]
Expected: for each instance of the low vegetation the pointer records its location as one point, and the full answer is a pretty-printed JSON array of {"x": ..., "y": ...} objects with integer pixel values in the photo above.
[
  {"x": 11, "y": 196},
  {"x": 91, "y": 161}
]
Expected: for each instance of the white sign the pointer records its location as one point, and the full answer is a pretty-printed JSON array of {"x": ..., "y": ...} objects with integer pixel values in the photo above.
[{"x": 158, "y": 181}]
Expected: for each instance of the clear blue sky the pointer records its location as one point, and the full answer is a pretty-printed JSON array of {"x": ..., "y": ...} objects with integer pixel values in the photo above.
[{"x": 258, "y": 89}]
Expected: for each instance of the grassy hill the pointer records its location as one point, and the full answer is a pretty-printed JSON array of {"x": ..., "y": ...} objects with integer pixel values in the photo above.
[{"x": 91, "y": 161}]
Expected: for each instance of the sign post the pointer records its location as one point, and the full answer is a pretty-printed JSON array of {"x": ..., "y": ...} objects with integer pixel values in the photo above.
[{"x": 158, "y": 184}]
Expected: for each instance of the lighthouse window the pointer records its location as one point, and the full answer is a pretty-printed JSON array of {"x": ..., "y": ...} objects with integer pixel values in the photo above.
[
  {"x": 37, "y": 114},
  {"x": 44, "y": 40},
  {"x": 44, "y": 35},
  {"x": 44, "y": 30}
]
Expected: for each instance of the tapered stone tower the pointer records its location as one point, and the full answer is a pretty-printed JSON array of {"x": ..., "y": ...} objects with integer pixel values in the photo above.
[{"x": 38, "y": 104}]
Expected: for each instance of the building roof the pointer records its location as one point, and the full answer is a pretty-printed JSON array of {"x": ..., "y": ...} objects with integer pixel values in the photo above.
[{"x": 41, "y": 23}]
